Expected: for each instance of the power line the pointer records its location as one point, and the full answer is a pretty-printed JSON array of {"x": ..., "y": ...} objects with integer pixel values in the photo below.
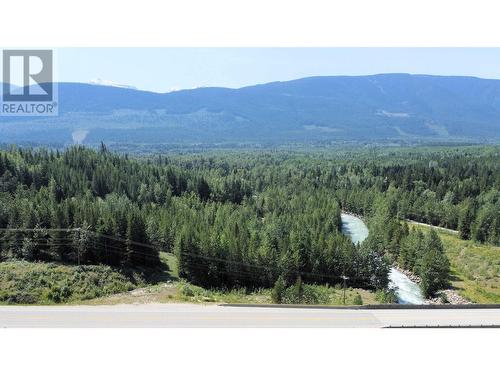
[{"x": 117, "y": 250}]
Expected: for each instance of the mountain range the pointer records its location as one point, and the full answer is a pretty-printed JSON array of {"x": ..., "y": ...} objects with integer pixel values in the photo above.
[{"x": 383, "y": 107}]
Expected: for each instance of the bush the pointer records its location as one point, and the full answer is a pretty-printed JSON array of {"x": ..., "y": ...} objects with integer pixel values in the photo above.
[
  {"x": 59, "y": 293},
  {"x": 386, "y": 296},
  {"x": 186, "y": 290},
  {"x": 357, "y": 300},
  {"x": 38, "y": 283},
  {"x": 278, "y": 291}
]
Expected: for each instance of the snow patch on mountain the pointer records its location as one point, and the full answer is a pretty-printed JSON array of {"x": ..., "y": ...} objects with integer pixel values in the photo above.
[{"x": 105, "y": 82}]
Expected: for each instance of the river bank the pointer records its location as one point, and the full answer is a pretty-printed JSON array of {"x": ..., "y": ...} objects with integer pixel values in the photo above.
[
  {"x": 359, "y": 216},
  {"x": 415, "y": 278},
  {"x": 446, "y": 296},
  {"x": 406, "y": 281},
  {"x": 407, "y": 292}
]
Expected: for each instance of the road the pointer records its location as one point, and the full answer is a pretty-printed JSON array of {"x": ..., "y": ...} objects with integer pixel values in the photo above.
[
  {"x": 452, "y": 231},
  {"x": 190, "y": 315}
]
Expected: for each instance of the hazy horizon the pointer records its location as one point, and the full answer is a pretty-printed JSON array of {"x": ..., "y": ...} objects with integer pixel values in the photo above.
[
  {"x": 171, "y": 69},
  {"x": 124, "y": 85}
]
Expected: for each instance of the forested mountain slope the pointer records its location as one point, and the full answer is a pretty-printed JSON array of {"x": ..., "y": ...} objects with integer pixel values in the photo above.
[{"x": 315, "y": 109}]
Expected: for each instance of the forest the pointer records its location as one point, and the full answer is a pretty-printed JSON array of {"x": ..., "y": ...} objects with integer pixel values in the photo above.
[{"x": 249, "y": 218}]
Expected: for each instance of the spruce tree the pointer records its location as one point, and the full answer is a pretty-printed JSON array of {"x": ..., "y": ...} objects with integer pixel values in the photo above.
[{"x": 277, "y": 294}]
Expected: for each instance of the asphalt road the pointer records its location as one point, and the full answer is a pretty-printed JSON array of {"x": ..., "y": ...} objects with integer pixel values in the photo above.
[{"x": 190, "y": 315}]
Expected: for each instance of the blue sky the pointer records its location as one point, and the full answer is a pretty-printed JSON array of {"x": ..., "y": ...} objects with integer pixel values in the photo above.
[{"x": 167, "y": 69}]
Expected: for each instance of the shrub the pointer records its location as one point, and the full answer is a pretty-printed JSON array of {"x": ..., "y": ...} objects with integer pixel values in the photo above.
[
  {"x": 29, "y": 283},
  {"x": 278, "y": 291},
  {"x": 357, "y": 300},
  {"x": 386, "y": 296}
]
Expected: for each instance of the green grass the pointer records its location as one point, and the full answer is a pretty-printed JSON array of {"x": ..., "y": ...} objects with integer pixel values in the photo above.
[
  {"x": 170, "y": 261},
  {"x": 42, "y": 283},
  {"x": 175, "y": 290},
  {"x": 475, "y": 267},
  {"x": 48, "y": 283},
  {"x": 313, "y": 294},
  {"x": 181, "y": 291}
]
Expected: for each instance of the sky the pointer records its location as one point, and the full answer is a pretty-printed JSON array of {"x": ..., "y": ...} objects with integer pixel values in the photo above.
[{"x": 170, "y": 69}]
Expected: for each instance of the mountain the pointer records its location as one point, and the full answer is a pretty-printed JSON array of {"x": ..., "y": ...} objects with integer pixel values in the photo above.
[
  {"x": 339, "y": 108},
  {"x": 105, "y": 82}
]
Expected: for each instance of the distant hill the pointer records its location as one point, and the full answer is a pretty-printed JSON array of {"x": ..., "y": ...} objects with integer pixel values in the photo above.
[{"x": 340, "y": 108}]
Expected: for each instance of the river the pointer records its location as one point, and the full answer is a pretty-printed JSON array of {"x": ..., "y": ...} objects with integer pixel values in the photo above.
[{"x": 407, "y": 292}]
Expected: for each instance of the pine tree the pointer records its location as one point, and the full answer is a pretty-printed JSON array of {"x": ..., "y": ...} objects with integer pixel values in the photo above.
[
  {"x": 203, "y": 189},
  {"x": 465, "y": 221},
  {"x": 278, "y": 291},
  {"x": 298, "y": 290},
  {"x": 434, "y": 266},
  {"x": 139, "y": 251}
]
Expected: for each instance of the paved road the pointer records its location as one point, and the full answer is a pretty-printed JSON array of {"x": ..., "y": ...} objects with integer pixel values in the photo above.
[{"x": 189, "y": 315}]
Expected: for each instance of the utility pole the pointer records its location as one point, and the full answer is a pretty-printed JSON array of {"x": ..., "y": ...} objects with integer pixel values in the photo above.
[{"x": 345, "y": 278}]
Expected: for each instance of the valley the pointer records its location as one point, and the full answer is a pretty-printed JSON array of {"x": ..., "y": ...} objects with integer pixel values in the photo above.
[{"x": 248, "y": 227}]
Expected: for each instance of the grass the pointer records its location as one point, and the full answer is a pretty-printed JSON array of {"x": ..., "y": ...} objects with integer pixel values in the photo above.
[
  {"x": 42, "y": 283},
  {"x": 475, "y": 267},
  {"x": 175, "y": 290},
  {"x": 314, "y": 294},
  {"x": 170, "y": 261}
]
